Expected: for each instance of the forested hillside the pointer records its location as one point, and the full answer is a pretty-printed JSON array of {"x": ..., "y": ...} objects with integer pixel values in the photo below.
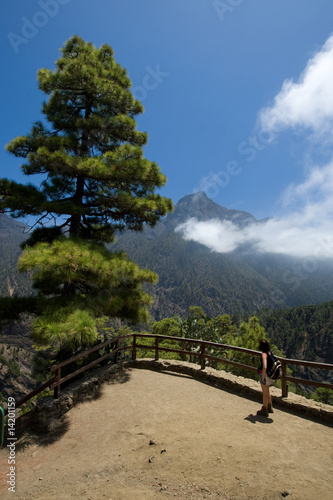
[
  {"x": 237, "y": 282},
  {"x": 189, "y": 273},
  {"x": 304, "y": 332}
]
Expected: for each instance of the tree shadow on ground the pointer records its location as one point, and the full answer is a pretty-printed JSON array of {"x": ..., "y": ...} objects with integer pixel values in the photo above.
[
  {"x": 32, "y": 437},
  {"x": 29, "y": 437},
  {"x": 120, "y": 377}
]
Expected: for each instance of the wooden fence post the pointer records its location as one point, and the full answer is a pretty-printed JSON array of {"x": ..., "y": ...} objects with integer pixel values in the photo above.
[
  {"x": 57, "y": 388},
  {"x": 202, "y": 356},
  {"x": 156, "y": 348},
  {"x": 116, "y": 354},
  {"x": 284, "y": 382},
  {"x": 134, "y": 347},
  {"x": 183, "y": 346}
]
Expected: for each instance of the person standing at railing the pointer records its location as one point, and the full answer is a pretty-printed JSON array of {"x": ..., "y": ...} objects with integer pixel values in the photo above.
[{"x": 265, "y": 381}]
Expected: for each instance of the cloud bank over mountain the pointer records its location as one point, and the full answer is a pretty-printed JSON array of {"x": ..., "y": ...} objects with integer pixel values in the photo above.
[{"x": 286, "y": 236}]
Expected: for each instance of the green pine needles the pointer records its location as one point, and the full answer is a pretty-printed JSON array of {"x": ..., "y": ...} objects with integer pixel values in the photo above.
[{"x": 96, "y": 182}]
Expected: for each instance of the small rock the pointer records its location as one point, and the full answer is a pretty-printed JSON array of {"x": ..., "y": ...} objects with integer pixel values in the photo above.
[
  {"x": 152, "y": 441},
  {"x": 163, "y": 451},
  {"x": 285, "y": 493}
]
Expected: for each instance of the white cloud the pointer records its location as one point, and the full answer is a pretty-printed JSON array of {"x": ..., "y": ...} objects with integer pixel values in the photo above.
[
  {"x": 307, "y": 103},
  {"x": 314, "y": 194},
  {"x": 219, "y": 236},
  {"x": 289, "y": 236}
]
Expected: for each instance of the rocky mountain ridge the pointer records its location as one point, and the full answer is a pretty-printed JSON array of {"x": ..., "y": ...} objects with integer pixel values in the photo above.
[{"x": 237, "y": 282}]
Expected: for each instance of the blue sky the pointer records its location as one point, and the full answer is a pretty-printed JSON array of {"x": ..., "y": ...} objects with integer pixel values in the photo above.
[{"x": 238, "y": 101}]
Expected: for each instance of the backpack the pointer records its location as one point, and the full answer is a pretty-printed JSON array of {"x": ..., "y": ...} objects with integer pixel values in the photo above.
[{"x": 275, "y": 370}]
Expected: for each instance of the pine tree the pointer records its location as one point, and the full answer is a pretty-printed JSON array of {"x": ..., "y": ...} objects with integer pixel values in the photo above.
[{"x": 96, "y": 181}]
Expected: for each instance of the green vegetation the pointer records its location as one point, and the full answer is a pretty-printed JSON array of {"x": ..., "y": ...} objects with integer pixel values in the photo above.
[
  {"x": 304, "y": 332},
  {"x": 199, "y": 326},
  {"x": 96, "y": 182},
  {"x": 324, "y": 395},
  {"x": 223, "y": 330}
]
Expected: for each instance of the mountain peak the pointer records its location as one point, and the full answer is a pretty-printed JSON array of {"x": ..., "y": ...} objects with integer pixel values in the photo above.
[
  {"x": 194, "y": 198},
  {"x": 202, "y": 208}
]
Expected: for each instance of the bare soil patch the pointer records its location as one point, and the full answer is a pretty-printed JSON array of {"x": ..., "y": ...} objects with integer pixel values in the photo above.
[{"x": 208, "y": 444}]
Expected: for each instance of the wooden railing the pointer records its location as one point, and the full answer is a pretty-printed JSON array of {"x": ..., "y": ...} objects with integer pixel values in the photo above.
[
  {"x": 202, "y": 355},
  {"x": 202, "y": 352}
]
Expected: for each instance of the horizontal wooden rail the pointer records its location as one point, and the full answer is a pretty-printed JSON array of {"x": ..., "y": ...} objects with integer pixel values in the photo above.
[
  {"x": 231, "y": 363},
  {"x": 89, "y": 365},
  {"x": 310, "y": 364},
  {"x": 205, "y": 350},
  {"x": 97, "y": 347},
  {"x": 307, "y": 364},
  {"x": 31, "y": 394},
  {"x": 314, "y": 383},
  {"x": 204, "y": 345}
]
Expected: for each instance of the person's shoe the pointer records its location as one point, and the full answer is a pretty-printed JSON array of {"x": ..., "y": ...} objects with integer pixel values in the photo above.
[
  {"x": 270, "y": 409},
  {"x": 263, "y": 412}
]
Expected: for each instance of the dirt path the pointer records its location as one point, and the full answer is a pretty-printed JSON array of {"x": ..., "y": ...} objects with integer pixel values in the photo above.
[{"x": 209, "y": 444}]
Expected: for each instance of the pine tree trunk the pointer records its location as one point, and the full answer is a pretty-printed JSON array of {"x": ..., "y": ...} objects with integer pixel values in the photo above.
[
  {"x": 78, "y": 197},
  {"x": 76, "y": 217}
]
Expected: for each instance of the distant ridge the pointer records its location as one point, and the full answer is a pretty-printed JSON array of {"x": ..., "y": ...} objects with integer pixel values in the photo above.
[{"x": 239, "y": 282}]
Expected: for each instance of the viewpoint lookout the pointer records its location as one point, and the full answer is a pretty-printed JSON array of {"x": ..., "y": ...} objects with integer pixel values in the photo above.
[{"x": 150, "y": 434}]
